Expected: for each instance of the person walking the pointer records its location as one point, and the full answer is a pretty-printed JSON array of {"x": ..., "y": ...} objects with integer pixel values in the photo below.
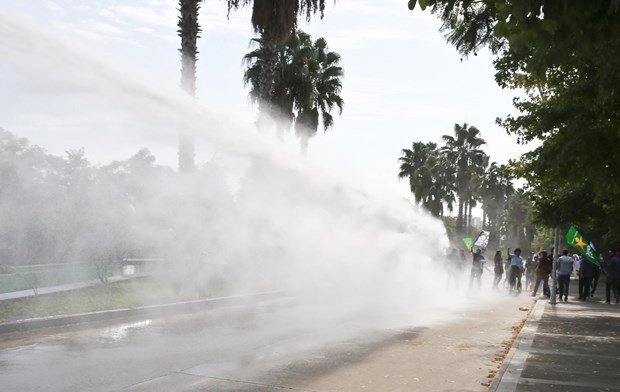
[
  {"x": 507, "y": 269},
  {"x": 453, "y": 266},
  {"x": 577, "y": 271},
  {"x": 613, "y": 277},
  {"x": 587, "y": 272},
  {"x": 597, "y": 275},
  {"x": 564, "y": 266},
  {"x": 499, "y": 268},
  {"x": 543, "y": 271},
  {"x": 516, "y": 270},
  {"x": 529, "y": 269},
  {"x": 477, "y": 266},
  {"x": 462, "y": 259}
]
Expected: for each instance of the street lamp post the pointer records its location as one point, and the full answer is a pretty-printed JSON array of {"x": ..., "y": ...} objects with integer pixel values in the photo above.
[{"x": 554, "y": 286}]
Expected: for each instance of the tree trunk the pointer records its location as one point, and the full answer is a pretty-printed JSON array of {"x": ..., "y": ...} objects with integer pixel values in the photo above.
[
  {"x": 189, "y": 31},
  {"x": 459, "y": 218},
  {"x": 266, "y": 80},
  {"x": 466, "y": 215}
]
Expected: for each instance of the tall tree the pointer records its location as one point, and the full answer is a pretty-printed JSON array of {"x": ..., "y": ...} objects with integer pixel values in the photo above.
[
  {"x": 496, "y": 188},
  {"x": 571, "y": 101},
  {"x": 518, "y": 228},
  {"x": 189, "y": 31},
  {"x": 463, "y": 150},
  {"x": 431, "y": 176},
  {"x": 274, "y": 20},
  {"x": 307, "y": 84}
]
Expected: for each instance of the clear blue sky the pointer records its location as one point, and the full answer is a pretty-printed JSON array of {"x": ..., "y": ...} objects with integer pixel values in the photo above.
[{"x": 402, "y": 83}]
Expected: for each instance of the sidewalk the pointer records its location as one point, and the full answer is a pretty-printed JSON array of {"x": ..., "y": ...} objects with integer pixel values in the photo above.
[
  {"x": 62, "y": 287},
  {"x": 570, "y": 346}
]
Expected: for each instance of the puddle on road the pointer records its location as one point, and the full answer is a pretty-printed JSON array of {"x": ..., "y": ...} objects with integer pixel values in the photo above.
[{"x": 122, "y": 332}]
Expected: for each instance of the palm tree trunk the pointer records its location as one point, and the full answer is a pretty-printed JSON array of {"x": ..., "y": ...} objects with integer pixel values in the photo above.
[
  {"x": 189, "y": 31},
  {"x": 465, "y": 215},
  {"x": 266, "y": 79},
  {"x": 459, "y": 218},
  {"x": 494, "y": 222}
]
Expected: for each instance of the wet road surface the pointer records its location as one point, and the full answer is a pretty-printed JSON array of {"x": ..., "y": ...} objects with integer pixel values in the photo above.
[{"x": 256, "y": 347}]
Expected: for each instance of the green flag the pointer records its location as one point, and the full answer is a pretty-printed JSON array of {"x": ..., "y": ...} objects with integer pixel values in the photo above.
[
  {"x": 577, "y": 241},
  {"x": 469, "y": 243}
]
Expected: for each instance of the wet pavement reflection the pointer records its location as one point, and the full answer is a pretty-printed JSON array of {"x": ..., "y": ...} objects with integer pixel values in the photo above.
[{"x": 200, "y": 348}]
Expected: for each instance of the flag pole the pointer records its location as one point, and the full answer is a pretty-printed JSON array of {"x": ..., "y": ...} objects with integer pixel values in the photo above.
[{"x": 554, "y": 286}]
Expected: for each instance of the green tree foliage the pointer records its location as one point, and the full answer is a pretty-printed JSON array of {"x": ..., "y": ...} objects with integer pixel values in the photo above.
[
  {"x": 543, "y": 240},
  {"x": 496, "y": 187},
  {"x": 463, "y": 150},
  {"x": 307, "y": 83},
  {"x": 274, "y": 20},
  {"x": 518, "y": 229},
  {"x": 459, "y": 171},
  {"x": 431, "y": 176},
  {"x": 65, "y": 209},
  {"x": 563, "y": 54}
]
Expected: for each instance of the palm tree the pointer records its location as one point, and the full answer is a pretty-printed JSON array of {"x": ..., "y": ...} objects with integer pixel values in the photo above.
[
  {"x": 463, "y": 150},
  {"x": 274, "y": 20},
  {"x": 474, "y": 188},
  {"x": 318, "y": 94},
  {"x": 290, "y": 64},
  {"x": 307, "y": 84},
  {"x": 496, "y": 188},
  {"x": 517, "y": 220},
  {"x": 431, "y": 176},
  {"x": 189, "y": 31}
]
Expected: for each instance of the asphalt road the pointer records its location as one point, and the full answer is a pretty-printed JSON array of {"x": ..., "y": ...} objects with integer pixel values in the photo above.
[{"x": 267, "y": 346}]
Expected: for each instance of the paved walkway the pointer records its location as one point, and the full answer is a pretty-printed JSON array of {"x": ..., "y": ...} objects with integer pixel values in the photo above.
[{"x": 571, "y": 346}]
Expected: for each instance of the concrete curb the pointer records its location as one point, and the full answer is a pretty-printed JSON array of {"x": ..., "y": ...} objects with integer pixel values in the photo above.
[
  {"x": 63, "y": 288},
  {"x": 507, "y": 377},
  {"x": 172, "y": 308}
]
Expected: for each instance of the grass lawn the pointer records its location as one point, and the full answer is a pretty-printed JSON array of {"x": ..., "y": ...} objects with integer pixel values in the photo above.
[{"x": 126, "y": 294}]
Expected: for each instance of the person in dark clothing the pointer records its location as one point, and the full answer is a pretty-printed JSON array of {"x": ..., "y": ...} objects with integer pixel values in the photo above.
[
  {"x": 586, "y": 271},
  {"x": 543, "y": 271},
  {"x": 516, "y": 270},
  {"x": 507, "y": 269},
  {"x": 477, "y": 268},
  {"x": 597, "y": 275},
  {"x": 499, "y": 268},
  {"x": 528, "y": 268},
  {"x": 613, "y": 277},
  {"x": 564, "y": 269}
]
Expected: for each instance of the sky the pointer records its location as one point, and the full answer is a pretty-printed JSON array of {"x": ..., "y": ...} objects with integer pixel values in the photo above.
[{"x": 403, "y": 83}]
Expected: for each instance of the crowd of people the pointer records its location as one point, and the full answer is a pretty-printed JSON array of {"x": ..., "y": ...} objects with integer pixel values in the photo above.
[{"x": 537, "y": 270}]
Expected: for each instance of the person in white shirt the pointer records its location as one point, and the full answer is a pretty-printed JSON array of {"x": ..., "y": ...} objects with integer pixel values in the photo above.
[
  {"x": 516, "y": 269},
  {"x": 564, "y": 266},
  {"x": 576, "y": 265}
]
